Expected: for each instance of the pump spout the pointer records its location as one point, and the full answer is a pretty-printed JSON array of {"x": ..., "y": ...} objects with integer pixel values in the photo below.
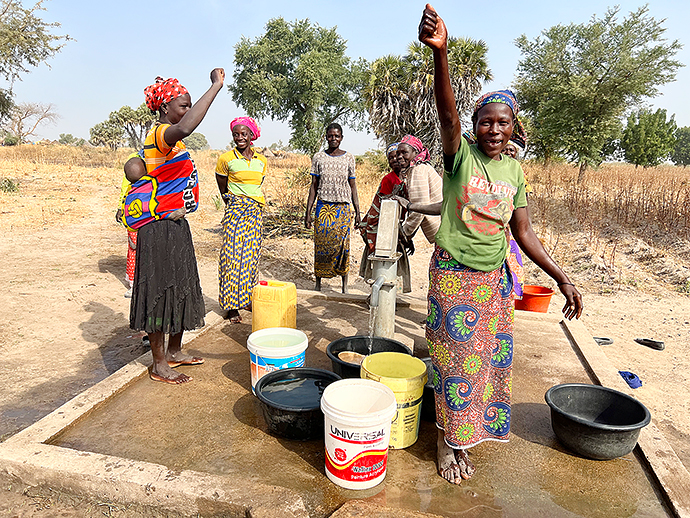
[{"x": 375, "y": 289}]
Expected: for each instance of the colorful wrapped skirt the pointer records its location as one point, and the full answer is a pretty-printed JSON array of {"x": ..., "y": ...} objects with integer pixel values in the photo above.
[
  {"x": 238, "y": 268},
  {"x": 332, "y": 239},
  {"x": 166, "y": 296},
  {"x": 469, "y": 330}
]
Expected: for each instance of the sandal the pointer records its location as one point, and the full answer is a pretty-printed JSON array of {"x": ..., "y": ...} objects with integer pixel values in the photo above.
[{"x": 654, "y": 344}]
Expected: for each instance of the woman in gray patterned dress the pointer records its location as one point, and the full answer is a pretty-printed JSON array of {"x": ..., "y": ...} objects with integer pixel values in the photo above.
[{"x": 333, "y": 187}]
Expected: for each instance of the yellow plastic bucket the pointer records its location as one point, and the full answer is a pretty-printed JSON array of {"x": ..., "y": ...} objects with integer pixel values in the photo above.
[
  {"x": 406, "y": 377},
  {"x": 274, "y": 304}
]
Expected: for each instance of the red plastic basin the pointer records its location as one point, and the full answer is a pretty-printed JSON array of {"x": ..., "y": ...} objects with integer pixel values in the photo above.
[{"x": 534, "y": 298}]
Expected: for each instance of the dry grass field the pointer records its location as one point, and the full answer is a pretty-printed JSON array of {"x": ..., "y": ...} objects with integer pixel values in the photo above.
[{"x": 624, "y": 228}]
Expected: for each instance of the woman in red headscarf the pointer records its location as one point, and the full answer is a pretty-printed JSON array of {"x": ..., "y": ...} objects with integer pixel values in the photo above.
[
  {"x": 166, "y": 297},
  {"x": 424, "y": 187},
  {"x": 240, "y": 173}
]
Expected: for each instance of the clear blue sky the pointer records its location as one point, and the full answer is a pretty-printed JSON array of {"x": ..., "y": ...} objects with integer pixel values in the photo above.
[{"x": 120, "y": 47}]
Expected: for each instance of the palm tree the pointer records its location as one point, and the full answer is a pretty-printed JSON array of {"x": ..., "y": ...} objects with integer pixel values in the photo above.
[{"x": 399, "y": 93}]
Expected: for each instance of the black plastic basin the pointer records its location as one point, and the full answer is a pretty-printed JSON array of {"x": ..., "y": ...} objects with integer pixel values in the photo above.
[
  {"x": 363, "y": 345},
  {"x": 290, "y": 401},
  {"x": 596, "y": 422}
]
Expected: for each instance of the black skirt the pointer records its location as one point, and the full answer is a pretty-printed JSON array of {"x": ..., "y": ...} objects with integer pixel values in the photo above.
[{"x": 166, "y": 296}]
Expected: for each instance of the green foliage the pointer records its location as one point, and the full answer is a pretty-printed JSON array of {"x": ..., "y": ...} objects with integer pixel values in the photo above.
[
  {"x": 10, "y": 140},
  {"x": 217, "y": 202},
  {"x": 135, "y": 123},
  {"x": 377, "y": 158},
  {"x": 648, "y": 138},
  {"x": 298, "y": 71},
  {"x": 107, "y": 134},
  {"x": 67, "y": 139},
  {"x": 8, "y": 185},
  {"x": 6, "y": 104},
  {"x": 25, "y": 41},
  {"x": 400, "y": 90},
  {"x": 577, "y": 80},
  {"x": 196, "y": 142},
  {"x": 125, "y": 122},
  {"x": 681, "y": 151}
]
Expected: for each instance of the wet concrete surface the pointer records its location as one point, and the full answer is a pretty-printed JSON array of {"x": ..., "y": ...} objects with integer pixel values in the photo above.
[{"x": 214, "y": 425}]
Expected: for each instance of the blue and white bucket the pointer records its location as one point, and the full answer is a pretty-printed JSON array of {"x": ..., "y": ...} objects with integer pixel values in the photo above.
[{"x": 275, "y": 348}]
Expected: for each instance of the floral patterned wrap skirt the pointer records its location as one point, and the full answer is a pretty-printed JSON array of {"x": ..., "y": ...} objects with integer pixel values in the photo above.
[{"x": 469, "y": 330}]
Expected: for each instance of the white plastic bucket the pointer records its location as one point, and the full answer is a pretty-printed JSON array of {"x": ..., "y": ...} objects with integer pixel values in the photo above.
[
  {"x": 275, "y": 348},
  {"x": 357, "y": 424}
]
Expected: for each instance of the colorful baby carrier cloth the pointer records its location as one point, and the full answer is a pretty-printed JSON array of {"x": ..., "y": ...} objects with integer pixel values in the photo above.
[{"x": 170, "y": 186}]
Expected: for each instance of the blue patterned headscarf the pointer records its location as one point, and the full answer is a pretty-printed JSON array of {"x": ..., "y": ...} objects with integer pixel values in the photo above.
[
  {"x": 392, "y": 147},
  {"x": 504, "y": 97},
  {"x": 499, "y": 96}
]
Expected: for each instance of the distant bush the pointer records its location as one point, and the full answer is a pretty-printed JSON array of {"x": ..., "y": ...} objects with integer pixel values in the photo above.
[{"x": 8, "y": 185}]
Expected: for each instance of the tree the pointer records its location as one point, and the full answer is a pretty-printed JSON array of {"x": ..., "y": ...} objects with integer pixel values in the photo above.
[
  {"x": 25, "y": 41},
  {"x": 648, "y": 138},
  {"x": 576, "y": 81},
  {"x": 67, "y": 139},
  {"x": 681, "y": 151},
  {"x": 299, "y": 72},
  {"x": 107, "y": 134},
  {"x": 135, "y": 123},
  {"x": 399, "y": 92},
  {"x": 26, "y": 117},
  {"x": 196, "y": 141}
]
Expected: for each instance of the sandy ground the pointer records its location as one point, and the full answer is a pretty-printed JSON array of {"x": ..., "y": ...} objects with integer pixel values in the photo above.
[{"x": 64, "y": 319}]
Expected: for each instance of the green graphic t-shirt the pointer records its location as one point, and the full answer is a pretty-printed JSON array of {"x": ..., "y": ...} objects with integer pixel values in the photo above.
[{"x": 479, "y": 196}]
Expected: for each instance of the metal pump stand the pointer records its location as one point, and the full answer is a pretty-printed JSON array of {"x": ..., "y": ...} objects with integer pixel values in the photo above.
[{"x": 385, "y": 270}]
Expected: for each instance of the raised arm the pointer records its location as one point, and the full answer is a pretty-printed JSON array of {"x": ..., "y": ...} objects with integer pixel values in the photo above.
[
  {"x": 196, "y": 113},
  {"x": 433, "y": 34}
]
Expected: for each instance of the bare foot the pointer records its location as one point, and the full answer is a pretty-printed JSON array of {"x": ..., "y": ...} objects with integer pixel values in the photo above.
[
  {"x": 447, "y": 464},
  {"x": 467, "y": 469},
  {"x": 233, "y": 316},
  {"x": 171, "y": 377}
]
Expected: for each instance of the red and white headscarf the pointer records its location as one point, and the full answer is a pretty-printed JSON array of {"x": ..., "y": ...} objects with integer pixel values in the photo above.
[
  {"x": 163, "y": 91},
  {"x": 422, "y": 152}
]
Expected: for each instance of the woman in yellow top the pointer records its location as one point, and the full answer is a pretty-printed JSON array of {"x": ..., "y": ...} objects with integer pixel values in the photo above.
[
  {"x": 240, "y": 173},
  {"x": 167, "y": 298}
]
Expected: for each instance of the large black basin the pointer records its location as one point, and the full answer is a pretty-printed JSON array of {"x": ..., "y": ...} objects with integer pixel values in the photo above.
[
  {"x": 596, "y": 422},
  {"x": 290, "y": 401},
  {"x": 363, "y": 345}
]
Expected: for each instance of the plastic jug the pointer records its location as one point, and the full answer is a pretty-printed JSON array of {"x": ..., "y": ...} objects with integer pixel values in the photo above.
[{"x": 274, "y": 304}]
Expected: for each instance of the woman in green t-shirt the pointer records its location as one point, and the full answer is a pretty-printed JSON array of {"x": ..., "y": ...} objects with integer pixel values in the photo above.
[{"x": 470, "y": 320}]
